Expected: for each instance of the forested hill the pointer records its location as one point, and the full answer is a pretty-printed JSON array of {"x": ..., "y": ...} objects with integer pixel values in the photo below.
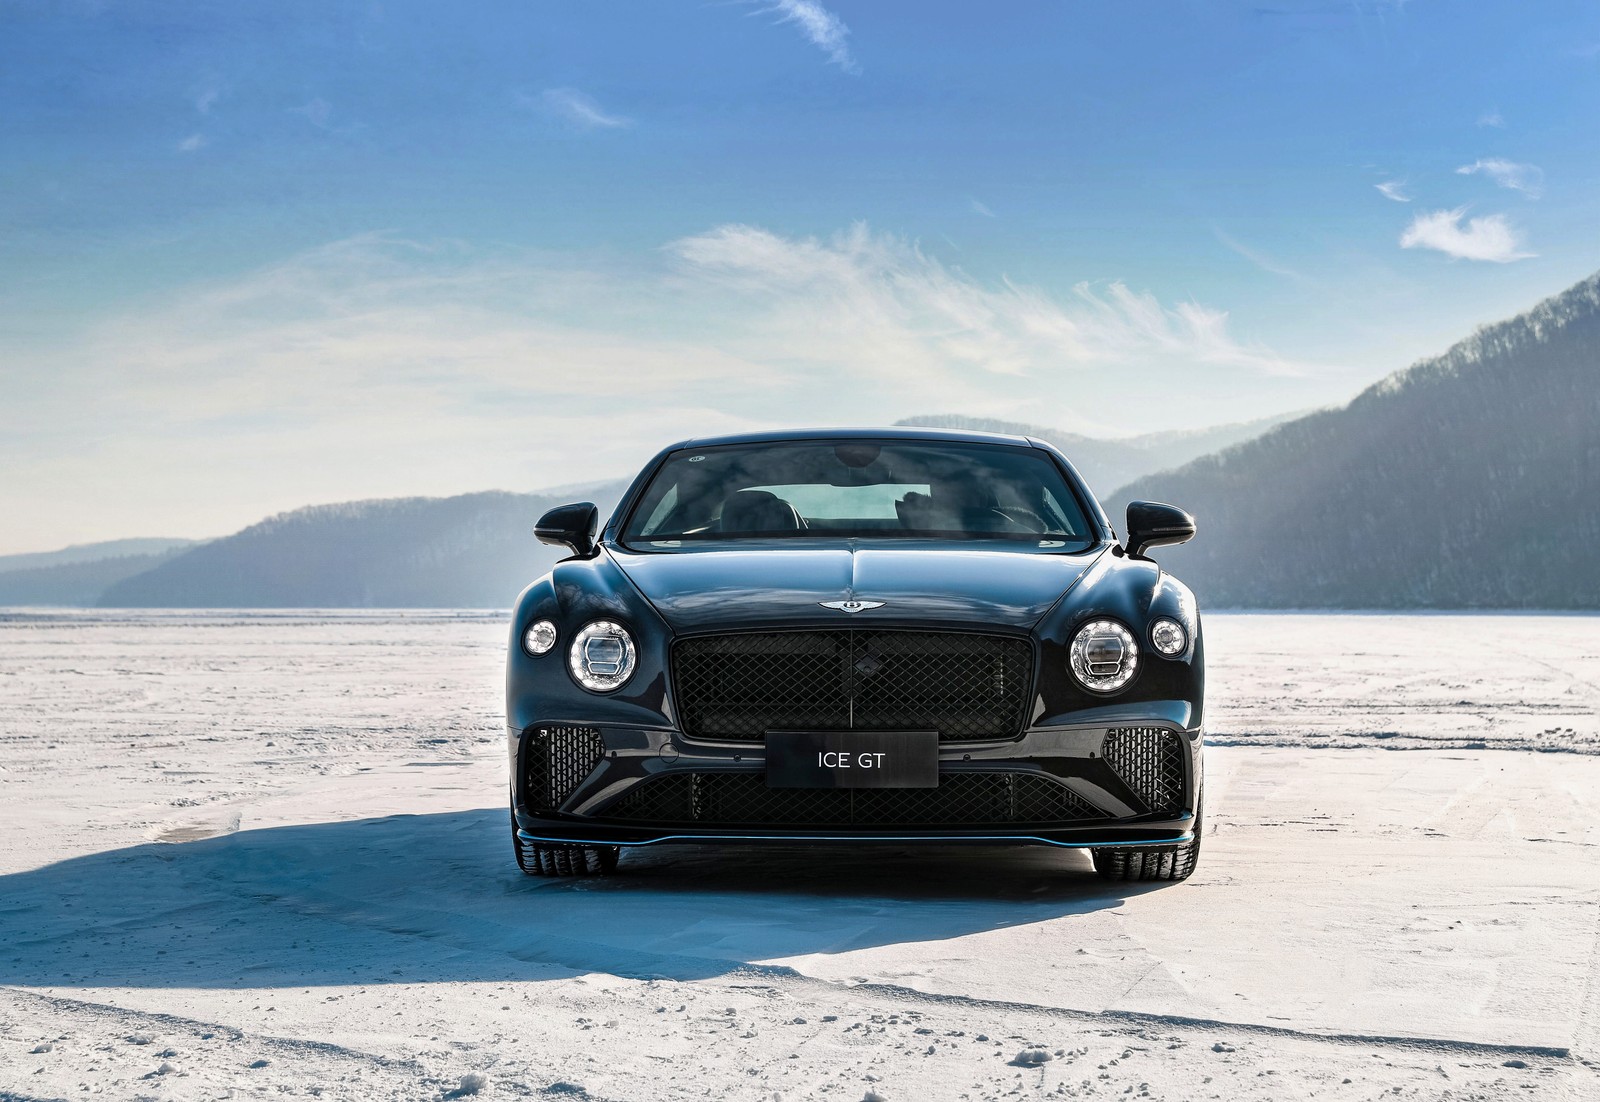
[
  {"x": 1471, "y": 480},
  {"x": 73, "y": 580},
  {"x": 471, "y": 551},
  {"x": 80, "y": 553}
]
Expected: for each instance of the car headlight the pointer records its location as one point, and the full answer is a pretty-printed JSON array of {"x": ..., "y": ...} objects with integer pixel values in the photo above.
[
  {"x": 1169, "y": 637},
  {"x": 539, "y": 638},
  {"x": 602, "y": 657},
  {"x": 1103, "y": 656}
]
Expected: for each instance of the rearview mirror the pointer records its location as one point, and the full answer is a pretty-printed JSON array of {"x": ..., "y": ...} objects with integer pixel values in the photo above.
[
  {"x": 1152, "y": 524},
  {"x": 569, "y": 526}
]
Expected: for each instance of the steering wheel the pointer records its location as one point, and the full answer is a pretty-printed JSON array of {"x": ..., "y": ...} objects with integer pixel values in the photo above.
[{"x": 1023, "y": 518}]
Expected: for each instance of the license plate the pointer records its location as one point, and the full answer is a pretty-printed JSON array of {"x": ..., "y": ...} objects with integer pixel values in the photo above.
[{"x": 852, "y": 759}]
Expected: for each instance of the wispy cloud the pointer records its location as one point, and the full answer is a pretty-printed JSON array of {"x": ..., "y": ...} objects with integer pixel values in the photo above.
[
  {"x": 873, "y": 298},
  {"x": 289, "y": 382},
  {"x": 1256, "y": 257},
  {"x": 1528, "y": 179},
  {"x": 192, "y": 143},
  {"x": 980, "y": 207},
  {"x": 1491, "y": 118},
  {"x": 1393, "y": 189},
  {"x": 577, "y": 109},
  {"x": 1489, "y": 238},
  {"x": 822, "y": 28},
  {"x": 218, "y": 403}
]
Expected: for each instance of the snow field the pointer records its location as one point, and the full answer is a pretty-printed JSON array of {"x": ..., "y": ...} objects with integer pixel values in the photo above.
[{"x": 265, "y": 855}]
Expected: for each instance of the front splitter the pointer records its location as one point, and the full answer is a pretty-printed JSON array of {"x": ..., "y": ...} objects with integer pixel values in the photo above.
[{"x": 606, "y": 835}]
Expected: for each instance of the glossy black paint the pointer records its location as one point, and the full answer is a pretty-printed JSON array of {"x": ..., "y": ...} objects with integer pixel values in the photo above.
[
  {"x": 660, "y": 596},
  {"x": 737, "y": 589},
  {"x": 569, "y": 526},
  {"x": 1155, "y": 524}
]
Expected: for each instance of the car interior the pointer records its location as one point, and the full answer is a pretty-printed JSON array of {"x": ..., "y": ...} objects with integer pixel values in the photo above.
[{"x": 825, "y": 490}]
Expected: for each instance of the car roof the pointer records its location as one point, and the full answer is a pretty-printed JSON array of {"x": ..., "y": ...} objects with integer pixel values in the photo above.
[{"x": 892, "y": 433}]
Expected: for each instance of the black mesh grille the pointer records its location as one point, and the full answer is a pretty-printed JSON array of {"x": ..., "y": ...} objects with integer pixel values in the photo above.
[
  {"x": 1150, "y": 761},
  {"x": 743, "y": 799},
  {"x": 557, "y": 760},
  {"x": 738, "y": 687}
]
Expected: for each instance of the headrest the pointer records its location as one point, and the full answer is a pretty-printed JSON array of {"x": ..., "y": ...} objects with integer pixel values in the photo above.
[{"x": 757, "y": 511}]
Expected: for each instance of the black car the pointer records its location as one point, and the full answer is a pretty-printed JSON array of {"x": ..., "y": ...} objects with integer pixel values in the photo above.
[{"x": 858, "y": 636}]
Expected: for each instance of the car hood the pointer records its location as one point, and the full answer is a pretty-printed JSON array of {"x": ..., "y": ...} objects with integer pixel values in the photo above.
[{"x": 742, "y": 589}]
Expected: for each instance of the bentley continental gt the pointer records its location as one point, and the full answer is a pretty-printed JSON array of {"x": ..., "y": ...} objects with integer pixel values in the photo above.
[{"x": 899, "y": 635}]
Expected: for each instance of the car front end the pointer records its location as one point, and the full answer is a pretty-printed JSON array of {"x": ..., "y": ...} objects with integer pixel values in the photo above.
[{"x": 821, "y": 685}]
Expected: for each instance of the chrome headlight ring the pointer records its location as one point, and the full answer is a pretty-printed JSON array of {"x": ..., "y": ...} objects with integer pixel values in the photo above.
[
  {"x": 602, "y": 657},
  {"x": 1103, "y": 656},
  {"x": 1169, "y": 637},
  {"x": 539, "y": 639}
]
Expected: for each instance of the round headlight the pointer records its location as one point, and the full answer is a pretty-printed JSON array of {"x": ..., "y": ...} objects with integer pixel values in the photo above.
[
  {"x": 539, "y": 638},
  {"x": 602, "y": 657},
  {"x": 1169, "y": 637},
  {"x": 1104, "y": 656}
]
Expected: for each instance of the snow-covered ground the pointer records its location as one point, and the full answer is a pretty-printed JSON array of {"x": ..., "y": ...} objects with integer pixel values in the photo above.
[{"x": 266, "y": 855}]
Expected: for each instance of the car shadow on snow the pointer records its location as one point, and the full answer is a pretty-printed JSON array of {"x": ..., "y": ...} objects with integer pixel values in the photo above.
[{"x": 426, "y": 898}]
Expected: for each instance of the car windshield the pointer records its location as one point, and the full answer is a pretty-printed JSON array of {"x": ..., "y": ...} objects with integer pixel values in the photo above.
[{"x": 859, "y": 489}]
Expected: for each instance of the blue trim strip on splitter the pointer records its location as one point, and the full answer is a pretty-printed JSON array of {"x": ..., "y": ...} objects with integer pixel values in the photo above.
[{"x": 1187, "y": 837}]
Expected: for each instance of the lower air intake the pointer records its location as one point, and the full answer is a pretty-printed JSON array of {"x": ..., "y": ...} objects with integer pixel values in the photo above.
[
  {"x": 744, "y": 800},
  {"x": 1150, "y": 761},
  {"x": 555, "y": 761}
]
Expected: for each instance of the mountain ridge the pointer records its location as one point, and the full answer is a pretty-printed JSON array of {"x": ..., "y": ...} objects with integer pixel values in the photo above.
[
  {"x": 1464, "y": 480},
  {"x": 93, "y": 552},
  {"x": 465, "y": 551}
]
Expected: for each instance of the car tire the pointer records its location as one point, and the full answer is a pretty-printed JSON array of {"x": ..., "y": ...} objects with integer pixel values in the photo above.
[
  {"x": 1152, "y": 863},
  {"x": 562, "y": 860}
]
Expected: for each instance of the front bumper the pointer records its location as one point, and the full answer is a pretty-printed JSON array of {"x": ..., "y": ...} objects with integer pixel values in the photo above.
[
  {"x": 535, "y": 831},
  {"x": 1086, "y": 784}
]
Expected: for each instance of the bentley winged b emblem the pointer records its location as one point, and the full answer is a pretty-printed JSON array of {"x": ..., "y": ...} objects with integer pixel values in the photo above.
[{"x": 851, "y": 607}]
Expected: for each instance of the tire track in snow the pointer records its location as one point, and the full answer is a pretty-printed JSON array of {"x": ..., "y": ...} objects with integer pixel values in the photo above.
[
  {"x": 124, "y": 1016},
  {"x": 1133, "y": 1018}
]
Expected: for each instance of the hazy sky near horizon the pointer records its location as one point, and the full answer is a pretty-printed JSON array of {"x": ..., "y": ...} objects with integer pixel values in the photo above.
[{"x": 258, "y": 257}]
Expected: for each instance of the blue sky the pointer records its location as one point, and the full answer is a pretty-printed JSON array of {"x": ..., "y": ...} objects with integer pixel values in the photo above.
[{"x": 252, "y": 259}]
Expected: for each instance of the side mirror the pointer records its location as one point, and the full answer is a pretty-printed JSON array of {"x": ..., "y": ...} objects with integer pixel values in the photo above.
[
  {"x": 569, "y": 526},
  {"x": 1152, "y": 524}
]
